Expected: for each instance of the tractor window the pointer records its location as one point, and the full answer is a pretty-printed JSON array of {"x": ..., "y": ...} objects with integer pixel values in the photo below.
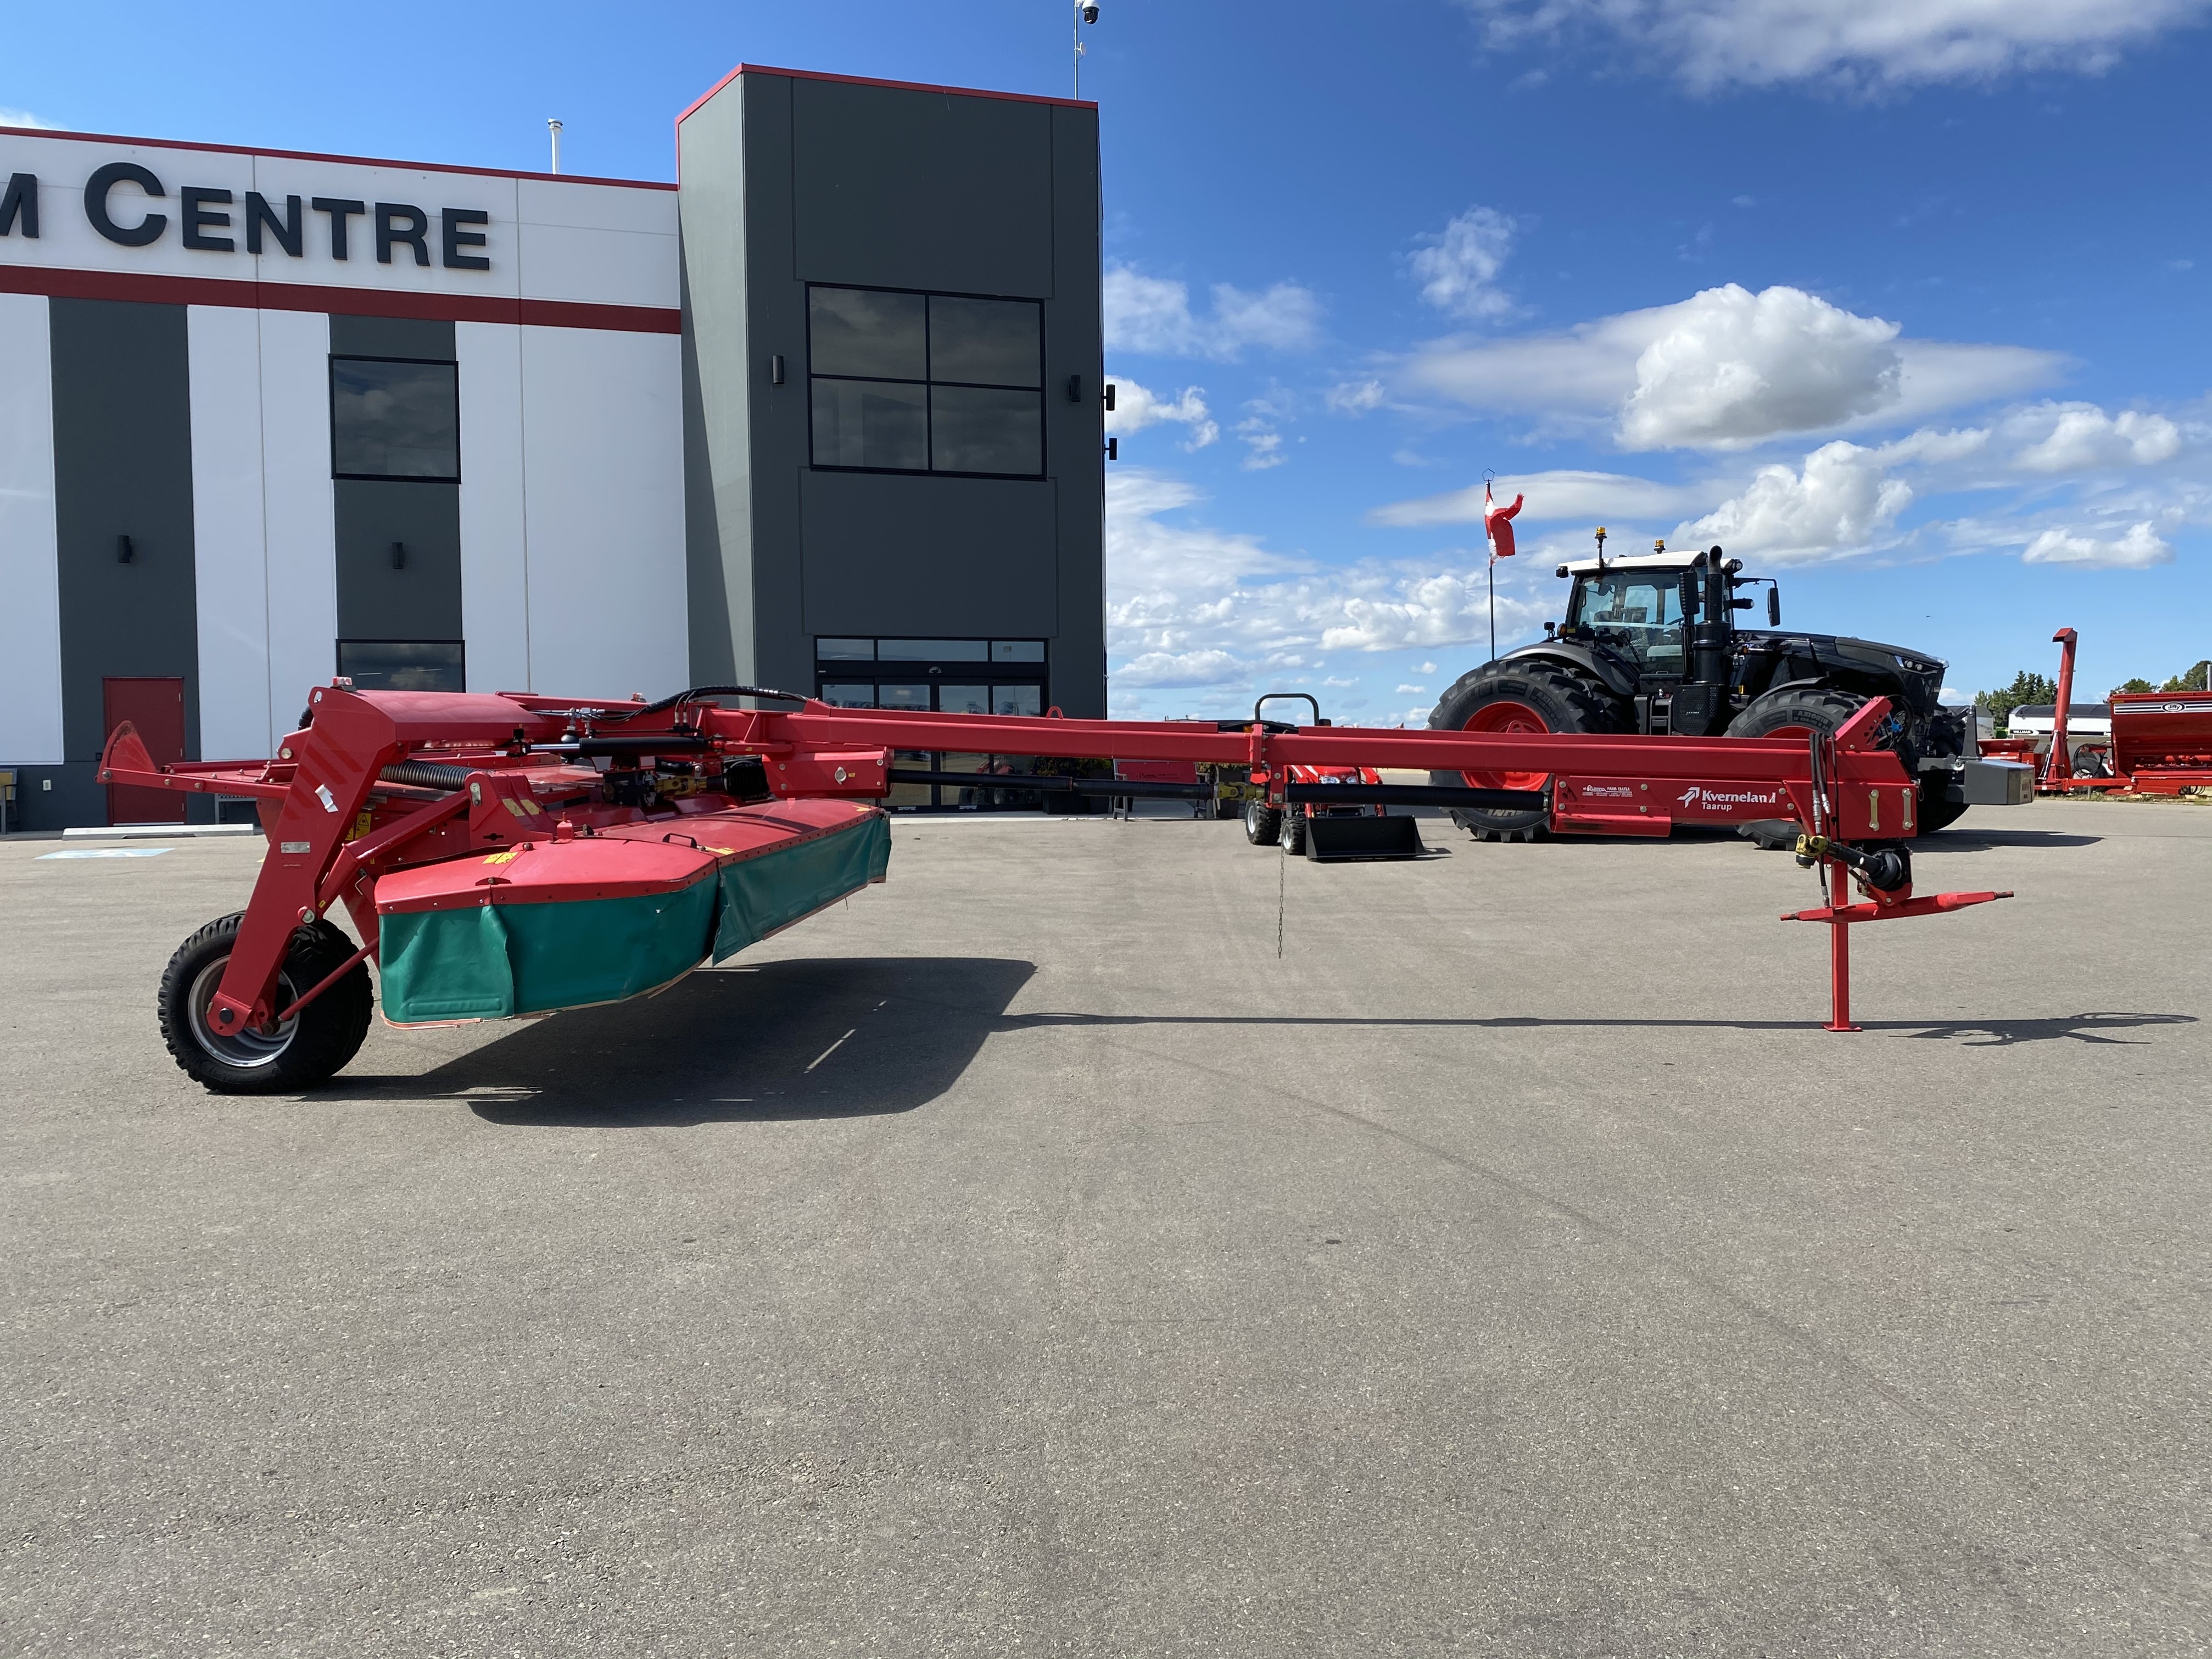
[{"x": 1640, "y": 611}]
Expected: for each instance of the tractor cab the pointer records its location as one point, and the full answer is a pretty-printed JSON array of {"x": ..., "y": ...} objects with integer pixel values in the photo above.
[{"x": 1645, "y": 609}]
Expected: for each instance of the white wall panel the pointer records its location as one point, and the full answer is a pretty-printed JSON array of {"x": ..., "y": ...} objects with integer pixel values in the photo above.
[
  {"x": 495, "y": 571},
  {"x": 610, "y": 243},
  {"x": 604, "y": 472},
  {"x": 230, "y": 549},
  {"x": 298, "y": 509},
  {"x": 30, "y": 582}
]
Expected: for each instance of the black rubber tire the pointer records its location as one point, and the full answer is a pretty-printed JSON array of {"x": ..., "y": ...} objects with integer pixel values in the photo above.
[
  {"x": 318, "y": 1041},
  {"x": 1819, "y": 709},
  {"x": 1564, "y": 700},
  {"x": 1262, "y": 824},
  {"x": 1294, "y": 834}
]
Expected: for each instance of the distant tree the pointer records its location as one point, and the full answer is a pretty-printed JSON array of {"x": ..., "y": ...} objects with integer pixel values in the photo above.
[
  {"x": 2026, "y": 688},
  {"x": 2137, "y": 684},
  {"x": 2195, "y": 680}
]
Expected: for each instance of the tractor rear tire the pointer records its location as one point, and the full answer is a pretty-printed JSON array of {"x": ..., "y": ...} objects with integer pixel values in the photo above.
[
  {"x": 1807, "y": 710},
  {"x": 1517, "y": 696},
  {"x": 1262, "y": 824},
  {"x": 308, "y": 1049}
]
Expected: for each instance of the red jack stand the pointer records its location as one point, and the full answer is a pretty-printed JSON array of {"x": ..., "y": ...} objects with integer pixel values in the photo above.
[{"x": 1841, "y": 918}]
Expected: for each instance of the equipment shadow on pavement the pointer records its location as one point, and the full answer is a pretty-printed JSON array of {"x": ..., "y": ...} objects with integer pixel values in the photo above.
[
  {"x": 802, "y": 1039},
  {"x": 1981, "y": 841},
  {"x": 1994, "y": 1033}
]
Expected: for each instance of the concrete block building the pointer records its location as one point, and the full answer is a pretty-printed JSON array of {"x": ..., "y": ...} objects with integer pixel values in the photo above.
[{"x": 824, "y": 416}]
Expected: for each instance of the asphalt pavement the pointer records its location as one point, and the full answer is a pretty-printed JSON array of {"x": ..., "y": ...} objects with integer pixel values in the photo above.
[{"x": 1111, "y": 1239}]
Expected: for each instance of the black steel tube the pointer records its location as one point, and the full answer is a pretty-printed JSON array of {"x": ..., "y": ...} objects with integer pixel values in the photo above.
[
  {"x": 1058, "y": 786},
  {"x": 1414, "y": 794},
  {"x": 675, "y": 744}
]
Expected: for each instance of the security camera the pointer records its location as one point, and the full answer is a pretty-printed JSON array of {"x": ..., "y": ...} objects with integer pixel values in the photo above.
[{"x": 1090, "y": 11}]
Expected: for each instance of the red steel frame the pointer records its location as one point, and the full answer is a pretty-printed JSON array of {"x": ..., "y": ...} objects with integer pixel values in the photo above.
[{"x": 336, "y": 823}]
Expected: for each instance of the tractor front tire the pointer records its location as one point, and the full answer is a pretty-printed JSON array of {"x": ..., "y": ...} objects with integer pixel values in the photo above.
[
  {"x": 1294, "y": 833},
  {"x": 307, "y": 1049},
  {"x": 1524, "y": 695},
  {"x": 1262, "y": 824},
  {"x": 1801, "y": 711}
]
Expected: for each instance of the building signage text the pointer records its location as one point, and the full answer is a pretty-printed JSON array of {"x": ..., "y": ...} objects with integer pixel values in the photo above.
[{"x": 118, "y": 199}]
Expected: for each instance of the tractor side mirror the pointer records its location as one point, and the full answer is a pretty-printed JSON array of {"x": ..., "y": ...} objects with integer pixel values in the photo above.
[
  {"x": 1774, "y": 606},
  {"x": 1689, "y": 586}
]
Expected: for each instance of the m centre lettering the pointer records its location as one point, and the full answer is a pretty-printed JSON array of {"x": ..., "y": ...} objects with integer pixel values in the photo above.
[{"x": 118, "y": 200}]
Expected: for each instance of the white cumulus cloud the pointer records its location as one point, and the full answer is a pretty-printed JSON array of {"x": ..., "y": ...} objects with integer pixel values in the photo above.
[
  {"x": 1182, "y": 668},
  {"x": 1355, "y": 397},
  {"x": 2077, "y": 437},
  {"x": 23, "y": 118},
  {"x": 1152, "y": 316},
  {"x": 1135, "y": 407},
  {"x": 1458, "y": 269},
  {"x": 1842, "y": 500},
  {"x": 1264, "y": 444},
  {"x": 1734, "y": 369},
  {"x": 1708, "y": 44},
  {"x": 1565, "y": 494},
  {"x": 1191, "y": 605},
  {"x": 1724, "y": 369},
  {"x": 2138, "y": 549}
]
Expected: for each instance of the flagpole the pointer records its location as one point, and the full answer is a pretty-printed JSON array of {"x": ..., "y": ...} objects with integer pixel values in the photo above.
[{"x": 1490, "y": 540}]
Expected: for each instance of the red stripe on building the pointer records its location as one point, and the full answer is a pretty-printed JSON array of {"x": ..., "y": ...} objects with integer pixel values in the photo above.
[{"x": 151, "y": 289}]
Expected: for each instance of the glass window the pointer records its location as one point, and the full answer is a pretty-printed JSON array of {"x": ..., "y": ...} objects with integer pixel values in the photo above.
[
  {"x": 403, "y": 664},
  {"x": 984, "y": 341},
  {"x": 963, "y": 699},
  {"x": 845, "y": 650},
  {"x": 925, "y": 382},
  {"x": 880, "y": 425},
  {"x": 390, "y": 419},
  {"x": 1017, "y": 650},
  {"x": 854, "y": 331},
  {"x": 1640, "y": 611},
  {"x": 904, "y": 696},
  {"x": 985, "y": 429},
  {"x": 849, "y": 696},
  {"x": 930, "y": 650},
  {"x": 1018, "y": 700}
]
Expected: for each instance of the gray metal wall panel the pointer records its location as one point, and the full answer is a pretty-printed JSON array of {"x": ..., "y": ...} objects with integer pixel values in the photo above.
[
  {"x": 391, "y": 336},
  {"x": 931, "y": 557},
  {"x": 905, "y": 189},
  {"x": 422, "y": 601},
  {"x": 775, "y": 305},
  {"x": 927, "y": 191},
  {"x": 123, "y": 466},
  {"x": 1076, "y": 434},
  {"x": 712, "y": 152}
]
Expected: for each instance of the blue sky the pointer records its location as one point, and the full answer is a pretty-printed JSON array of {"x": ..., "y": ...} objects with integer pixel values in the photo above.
[{"x": 1902, "y": 300}]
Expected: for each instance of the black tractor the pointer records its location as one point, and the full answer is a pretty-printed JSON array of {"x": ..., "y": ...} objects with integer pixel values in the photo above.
[{"x": 1651, "y": 644}]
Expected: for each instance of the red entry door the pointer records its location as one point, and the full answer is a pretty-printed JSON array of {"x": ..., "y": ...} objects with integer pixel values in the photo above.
[{"x": 156, "y": 707}]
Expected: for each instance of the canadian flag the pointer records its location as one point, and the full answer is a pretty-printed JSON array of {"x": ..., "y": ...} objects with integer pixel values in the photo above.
[{"x": 1498, "y": 524}]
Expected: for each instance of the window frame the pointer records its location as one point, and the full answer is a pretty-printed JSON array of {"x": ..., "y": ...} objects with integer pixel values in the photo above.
[
  {"x": 927, "y": 383},
  {"x": 332, "y": 378}
]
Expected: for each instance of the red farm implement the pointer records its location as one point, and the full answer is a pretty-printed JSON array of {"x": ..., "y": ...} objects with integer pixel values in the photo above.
[
  {"x": 514, "y": 854},
  {"x": 2161, "y": 742}
]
